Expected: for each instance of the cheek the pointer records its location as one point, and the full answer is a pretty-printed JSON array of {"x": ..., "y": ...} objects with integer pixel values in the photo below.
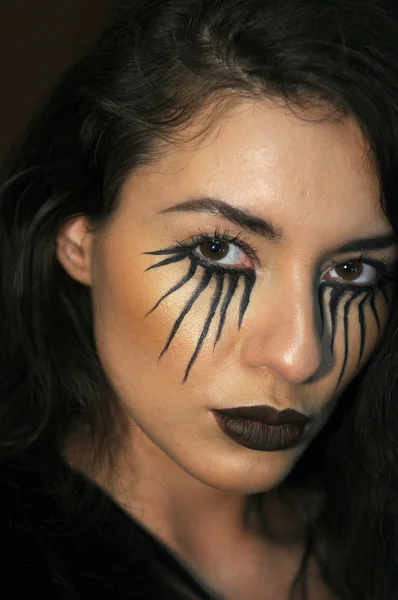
[
  {"x": 130, "y": 341},
  {"x": 129, "y": 344}
]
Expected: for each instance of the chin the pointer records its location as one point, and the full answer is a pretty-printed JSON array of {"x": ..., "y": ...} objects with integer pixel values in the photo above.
[
  {"x": 259, "y": 473},
  {"x": 246, "y": 486}
]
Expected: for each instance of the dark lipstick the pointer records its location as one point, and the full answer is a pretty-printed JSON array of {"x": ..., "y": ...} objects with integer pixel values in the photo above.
[{"x": 262, "y": 428}]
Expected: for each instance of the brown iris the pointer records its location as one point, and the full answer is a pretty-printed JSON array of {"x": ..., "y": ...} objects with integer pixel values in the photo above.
[
  {"x": 214, "y": 249},
  {"x": 350, "y": 270}
]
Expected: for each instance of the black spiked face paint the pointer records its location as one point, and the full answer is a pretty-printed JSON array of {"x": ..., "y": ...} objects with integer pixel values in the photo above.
[
  {"x": 333, "y": 295},
  {"x": 233, "y": 283},
  {"x": 226, "y": 286}
]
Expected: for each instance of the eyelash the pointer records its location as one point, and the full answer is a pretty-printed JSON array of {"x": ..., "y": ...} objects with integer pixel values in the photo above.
[
  {"x": 196, "y": 240},
  {"x": 386, "y": 272}
]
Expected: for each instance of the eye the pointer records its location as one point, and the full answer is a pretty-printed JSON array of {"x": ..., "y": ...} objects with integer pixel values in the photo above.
[
  {"x": 353, "y": 271},
  {"x": 223, "y": 253}
]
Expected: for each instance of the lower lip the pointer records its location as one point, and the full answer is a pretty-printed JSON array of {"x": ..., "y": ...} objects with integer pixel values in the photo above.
[{"x": 258, "y": 436}]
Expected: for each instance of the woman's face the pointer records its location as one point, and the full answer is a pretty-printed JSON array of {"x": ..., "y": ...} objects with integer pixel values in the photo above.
[{"x": 248, "y": 269}]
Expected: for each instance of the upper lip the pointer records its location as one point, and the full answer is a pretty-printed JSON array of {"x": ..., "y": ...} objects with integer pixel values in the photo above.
[{"x": 266, "y": 414}]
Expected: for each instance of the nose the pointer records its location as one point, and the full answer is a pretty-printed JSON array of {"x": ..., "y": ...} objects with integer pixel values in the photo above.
[{"x": 283, "y": 333}]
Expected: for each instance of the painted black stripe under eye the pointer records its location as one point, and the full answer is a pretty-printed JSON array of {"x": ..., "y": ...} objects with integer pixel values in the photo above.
[
  {"x": 210, "y": 271},
  {"x": 332, "y": 294}
]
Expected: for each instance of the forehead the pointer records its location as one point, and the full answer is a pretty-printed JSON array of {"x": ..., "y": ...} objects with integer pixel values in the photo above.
[{"x": 293, "y": 168}]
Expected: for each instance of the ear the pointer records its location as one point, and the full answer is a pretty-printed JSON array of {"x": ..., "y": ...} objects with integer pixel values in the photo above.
[{"x": 74, "y": 249}]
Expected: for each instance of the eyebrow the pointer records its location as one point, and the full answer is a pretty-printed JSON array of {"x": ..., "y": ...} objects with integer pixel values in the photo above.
[
  {"x": 379, "y": 242},
  {"x": 240, "y": 217},
  {"x": 246, "y": 219}
]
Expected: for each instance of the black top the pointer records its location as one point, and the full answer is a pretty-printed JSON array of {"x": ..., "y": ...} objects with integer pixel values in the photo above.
[{"x": 54, "y": 546}]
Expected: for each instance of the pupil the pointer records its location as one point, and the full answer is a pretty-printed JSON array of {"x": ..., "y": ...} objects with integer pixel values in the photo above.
[{"x": 215, "y": 247}]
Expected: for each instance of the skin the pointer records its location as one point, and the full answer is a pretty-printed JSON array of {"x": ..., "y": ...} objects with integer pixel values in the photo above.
[{"x": 292, "y": 348}]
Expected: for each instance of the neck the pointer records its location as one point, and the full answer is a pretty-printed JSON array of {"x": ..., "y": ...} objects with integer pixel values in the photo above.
[
  {"x": 182, "y": 511},
  {"x": 198, "y": 523}
]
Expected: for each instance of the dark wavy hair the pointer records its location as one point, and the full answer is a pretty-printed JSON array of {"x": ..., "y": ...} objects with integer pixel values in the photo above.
[{"x": 155, "y": 66}]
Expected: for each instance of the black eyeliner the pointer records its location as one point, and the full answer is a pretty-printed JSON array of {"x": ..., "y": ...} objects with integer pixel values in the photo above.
[
  {"x": 386, "y": 298},
  {"x": 346, "y": 338},
  {"x": 351, "y": 293},
  {"x": 216, "y": 271},
  {"x": 334, "y": 302},
  {"x": 202, "y": 285},
  {"x": 177, "y": 286},
  {"x": 337, "y": 292},
  {"x": 361, "y": 318},
  {"x": 250, "y": 280},
  {"x": 374, "y": 311},
  {"x": 213, "y": 307},
  {"x": 233, "y": 283}
]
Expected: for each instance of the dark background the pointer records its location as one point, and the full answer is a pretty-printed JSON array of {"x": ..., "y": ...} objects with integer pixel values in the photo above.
[{"x": 38, "y": 40}]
